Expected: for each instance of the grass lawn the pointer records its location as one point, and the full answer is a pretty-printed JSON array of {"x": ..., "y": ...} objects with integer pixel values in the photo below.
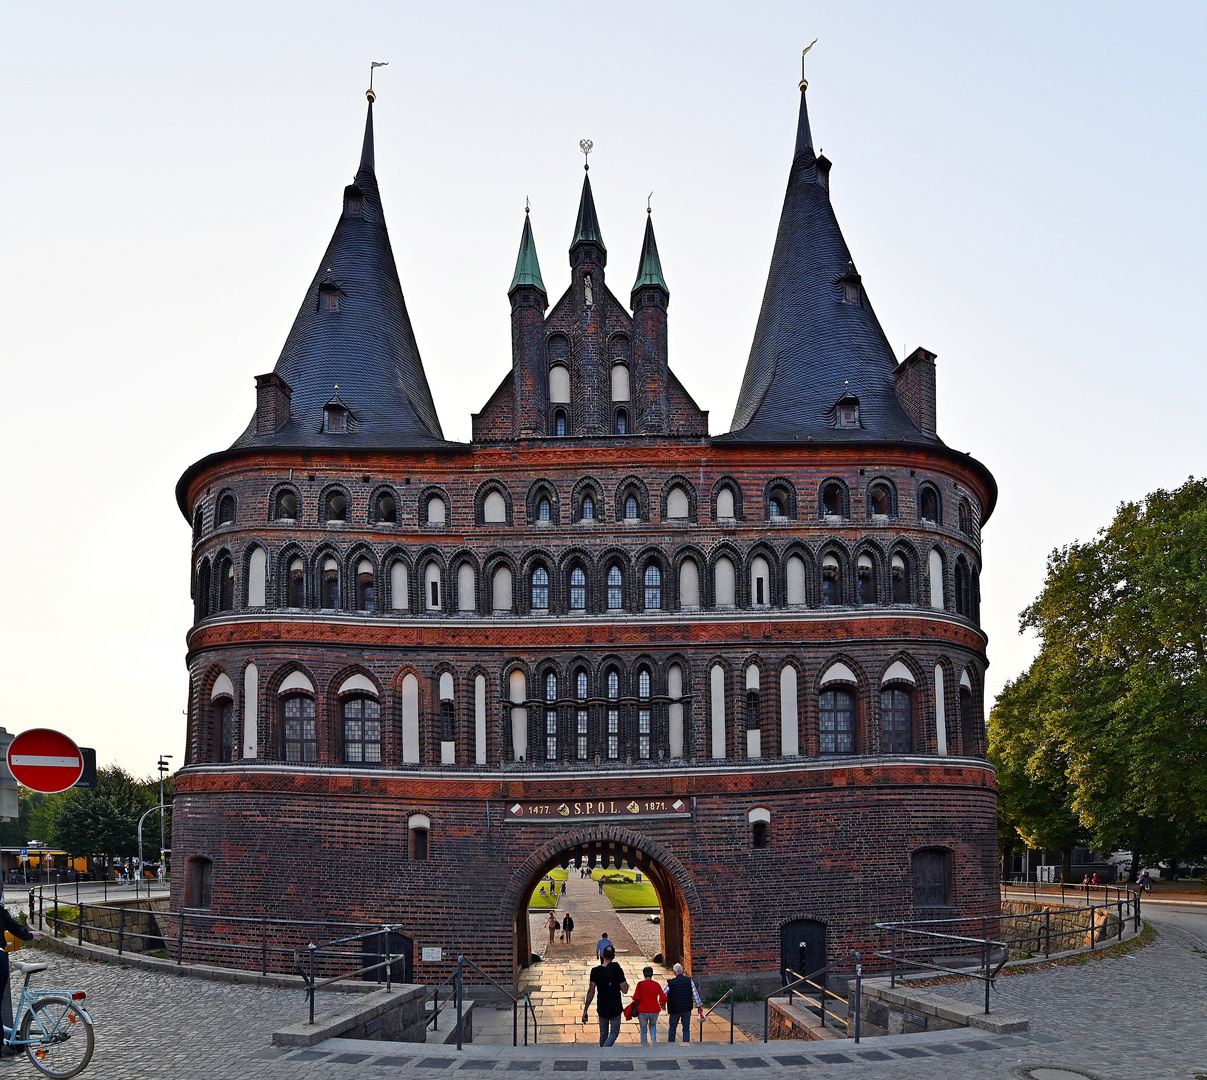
[
  {"x": 632, "y": 894},
  {"x": 550, "y": 898}
]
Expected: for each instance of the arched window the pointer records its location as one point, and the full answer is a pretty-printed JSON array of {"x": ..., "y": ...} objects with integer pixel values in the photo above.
[
  {"x": 335, "y": 507},
  {"x": 880, "y": 500},
  {"x": 961, "y": 588},
  {"x": 257, "y": 577},
  {"x": 754, "y": 733},
  {"x": 467, "y": 587},
  {"x": 934, "y": 566},
  {"x": 725, "y": 504},
  {"x": 775, "y": 506},
  {"x": 225, "y": 570},
  {"x": 901, "y": 589},
  {"x": 831, "y": 582},
  {"x": 226, "y": 510},
  {"x": 431, "y": 586},
  {"x": 794, "y": 580},
  {"x": 760, "y": 582},
  {"x": 653, "y": 588},
  {"x": 588, "y": 511},
  {"x": 632, "y": 508},
  {"x": 543, "y": 508},
  {"x": 897, "y": 718},
  {"x": 550, "y": 717},
  {"x": 620, "y": 382},
  {"x": 559, "y": 384},
  {"x": 832, "y": 500},
  {"x": 362, "y": 731},
  {"x": 836, "y": 721},
  {"x": 494, "y": 509},
  {"x": 780, "y": 502},
  {"x": 448, "y": 720},
  {"x": 385, "y": 509},
  {"x": 295, "y": 584},
  {"x": 366, "y": 590},
  {"x": 501, "y": 590},
  {"x": 559, "y": 422},
  {"x": 622, "y": 423},
  {"x": 540, "y": 589},
  {"x": 965, "y": 518},
  {"x": 615, "y": 589},
  {"x": 400, "y": 593},
  {"x": 866, "y": 579},
  {"x": 330, "y": 584},
  {"x": 198, "y": 524},
  {"x": 678, "y": 506},
  {"x": 674, "y": 712},
  {"x": 929, "y": 507},
  {"x": 419, "y": 828},
  {"x": 287, "y": 506},
  {"x": 224, "y": 728},
  {"x": 644, "y": 714},
  {"x": 931, "y": 869},
  {"x": 580, "y": 716},
  {"x": 613, "y": 713},
  {"x": 202, "y": 593},
  {"x": 724, "y": 583},
  {"x": 578, "y": 589},
  {"x": 689, "y": 585},
  {"x": 437, "y": 512},
  {"x": 301, "y": 736}
]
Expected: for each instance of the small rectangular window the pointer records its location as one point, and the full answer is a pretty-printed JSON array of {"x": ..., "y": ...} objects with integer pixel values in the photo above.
[
  {"x": 643, "y": 734},
  {"x": 435, "y": 589},
  {"x": 613, "y": 734},
  {"x": 419, "y": 843},
  {"x": 581, "y": 724},
  {"x": 328, "y": 300}
]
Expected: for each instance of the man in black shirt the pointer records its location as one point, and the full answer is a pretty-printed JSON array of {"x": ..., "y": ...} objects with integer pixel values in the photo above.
[{"x": 609, "y": 980}]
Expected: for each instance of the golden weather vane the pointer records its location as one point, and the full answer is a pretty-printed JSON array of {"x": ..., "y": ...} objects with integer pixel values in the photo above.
[{"x": 805, "y": 52}]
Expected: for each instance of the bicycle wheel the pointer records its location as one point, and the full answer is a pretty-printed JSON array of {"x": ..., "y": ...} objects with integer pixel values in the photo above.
[{"x": 58, "y": 1036}]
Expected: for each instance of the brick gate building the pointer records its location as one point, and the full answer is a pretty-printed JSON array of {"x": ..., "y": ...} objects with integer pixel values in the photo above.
[{"x": 424, "y": 672}]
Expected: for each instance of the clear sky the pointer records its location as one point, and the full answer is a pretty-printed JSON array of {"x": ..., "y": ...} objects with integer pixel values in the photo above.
[{"x": 1021, "y": 187}]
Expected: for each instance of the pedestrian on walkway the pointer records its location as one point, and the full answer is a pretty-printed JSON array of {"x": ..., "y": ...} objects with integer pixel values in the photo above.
[
  {"x": 648, "y": 1000},
  {"x": 15, "y": 928},
  {"x": 601, "y": 886},
  {"x": 567, "y": 927},
  {"x": 551, "y": 926},
  {"x": 609, "y": 980},
  {"x": 564, "y": 888},
  {"x": 1145, "y": 882},
  {"x": 681, "y": 992},
  {"x": 600, "y": 945}
]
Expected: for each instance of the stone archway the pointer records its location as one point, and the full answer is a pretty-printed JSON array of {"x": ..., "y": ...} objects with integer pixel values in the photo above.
[{"x": 677, "y": 896}]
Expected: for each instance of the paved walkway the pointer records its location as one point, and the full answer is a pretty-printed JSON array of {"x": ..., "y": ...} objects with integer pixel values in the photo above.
[{"x": 1138, "y": 1018}]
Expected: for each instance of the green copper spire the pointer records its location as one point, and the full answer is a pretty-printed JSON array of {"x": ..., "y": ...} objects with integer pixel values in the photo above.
[
  {"x": 649, "y": 270},
  {"x": 527, "y": 268},
  {"x": 586, "y": 229}
]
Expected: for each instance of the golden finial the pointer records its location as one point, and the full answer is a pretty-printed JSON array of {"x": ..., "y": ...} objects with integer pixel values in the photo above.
[
  {"x": 585, "y": 146},
  {"x": 804, "y": 83},
  {"x": 527, "y": 205},
  {"x": 373, "y": 65}
]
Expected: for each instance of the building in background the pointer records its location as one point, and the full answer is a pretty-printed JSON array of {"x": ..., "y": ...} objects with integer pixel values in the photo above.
[{"x": 424, "y": 672}]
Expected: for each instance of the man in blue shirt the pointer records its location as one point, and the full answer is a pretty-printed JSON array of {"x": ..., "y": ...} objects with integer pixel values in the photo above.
[{"x": 602, "y": 944}]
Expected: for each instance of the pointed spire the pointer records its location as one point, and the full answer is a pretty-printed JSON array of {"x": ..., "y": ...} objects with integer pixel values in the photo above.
[
  {"x": 649, "y": 269},
  {"x": 586, "y": 229},
  {"x": 527, "y": 268},
  {"x": 817, "y": 338},
  {"x": 366, "y": 150}
]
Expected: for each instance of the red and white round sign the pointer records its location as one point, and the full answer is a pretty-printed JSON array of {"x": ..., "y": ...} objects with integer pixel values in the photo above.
[{"x": 45, "y": 760}]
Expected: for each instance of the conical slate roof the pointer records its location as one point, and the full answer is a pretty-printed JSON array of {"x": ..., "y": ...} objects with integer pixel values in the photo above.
[
  {"x": 353, "y": 332},
  {"x": 649, "y": 267},
  {"x": 586, "y": 228},
  {"x": 527, "y": 267},
  {"x": 817, "y": 338}
]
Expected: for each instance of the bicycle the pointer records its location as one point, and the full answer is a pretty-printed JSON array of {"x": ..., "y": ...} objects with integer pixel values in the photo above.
[{"x": 52, "y": 1026}]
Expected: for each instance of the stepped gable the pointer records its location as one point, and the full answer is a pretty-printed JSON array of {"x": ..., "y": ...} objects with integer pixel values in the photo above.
[
  {"x": 353, "y": 332},
  {"x": 817, "y": 340}
]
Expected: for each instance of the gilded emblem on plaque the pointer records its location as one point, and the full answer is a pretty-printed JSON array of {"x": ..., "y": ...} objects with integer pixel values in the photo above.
[
  {"x": 564, "y": 810},
  {"x": 633, "y": 808}
]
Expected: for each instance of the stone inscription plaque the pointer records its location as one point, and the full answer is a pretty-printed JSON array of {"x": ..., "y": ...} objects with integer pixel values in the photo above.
[{"x": 598, "y": 809}]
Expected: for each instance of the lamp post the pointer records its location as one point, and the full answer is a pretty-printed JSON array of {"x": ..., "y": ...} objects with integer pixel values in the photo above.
[{"x": 164, "y": 769}]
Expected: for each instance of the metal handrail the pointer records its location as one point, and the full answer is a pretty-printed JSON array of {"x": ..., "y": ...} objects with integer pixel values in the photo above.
[
  {"x": 808, "y": 980},
  {"x": 705, "y": 1015},
  {"x": 459, "y": 978}
]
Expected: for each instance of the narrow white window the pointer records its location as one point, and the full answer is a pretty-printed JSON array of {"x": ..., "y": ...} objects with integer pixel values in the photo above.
[
  {"x": 431, "y": 586},
  {"x": 760, "y": 582},
  {"x": 410, "y": 719},
  {"x": 934, "y": 564},
  {"x": 518, "y": 686},
  {"x": 689, "y": 585},
  {"x": 448, "y": 742},
  {"x": 559, "y": 384},
  {"x": 466, "y": 600},
  {"x": 620, "y": 382},
  {"x": 494, "y": 509},
  {"x": 795, "y": 581},
  {"x": 677, "y": 505},
  {"x": 717, "y": 686},
  {"x": 480, "y": 720},
  {"x": 251, "y": 710},
  {"x": 789, "y": 729},
  {"x": 436, "y": 512},
  {"x": 257, "y": 577},
  {"x": 674, "y": 690},
  {"x": 725, "y": 505},
  {"x": 940, "y": 712},
  {"x": 500, "y": 589},
  {"x": 723, "y": 583},
  {"x": 399, "y": 600}
]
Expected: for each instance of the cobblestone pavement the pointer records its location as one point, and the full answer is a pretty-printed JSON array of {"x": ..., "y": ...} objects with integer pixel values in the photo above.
[{"x": 1121, "y": 1019}]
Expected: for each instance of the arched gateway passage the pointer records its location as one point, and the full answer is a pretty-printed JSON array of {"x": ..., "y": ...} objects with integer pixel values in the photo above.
[{"x": 677, "y": 897}]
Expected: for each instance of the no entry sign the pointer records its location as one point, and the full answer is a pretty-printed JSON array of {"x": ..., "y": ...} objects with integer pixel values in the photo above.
[{"x": 45, "y": 760}]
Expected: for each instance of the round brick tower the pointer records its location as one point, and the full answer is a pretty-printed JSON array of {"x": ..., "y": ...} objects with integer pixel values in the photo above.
[{"x": 422, "y": 672}]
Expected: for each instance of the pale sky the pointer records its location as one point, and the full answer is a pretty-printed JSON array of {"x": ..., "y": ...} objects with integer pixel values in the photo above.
[{"x": 1021, "y": 187}]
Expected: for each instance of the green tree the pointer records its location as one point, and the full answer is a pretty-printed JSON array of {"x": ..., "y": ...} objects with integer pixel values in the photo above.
[
  {"x": 1116, "y": 700},
  {"x": 101, "y": 821}
]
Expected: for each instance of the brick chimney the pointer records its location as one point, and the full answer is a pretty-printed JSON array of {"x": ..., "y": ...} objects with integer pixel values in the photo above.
[
  {"x": 272, "y": 403},
  {"x": 915, "y": 385}
]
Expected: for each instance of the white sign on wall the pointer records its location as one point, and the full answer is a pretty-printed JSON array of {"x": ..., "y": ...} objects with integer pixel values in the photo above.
[{"x": 429, "y": 952}]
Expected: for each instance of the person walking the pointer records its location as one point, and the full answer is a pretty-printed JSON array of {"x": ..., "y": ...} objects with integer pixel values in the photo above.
[
  {"x": 601, "y": 886},
  {"x": 6, "y": 1001},
  {"x": 608, "y": 978},
  {"x": 648, "y": 999},
  {"x": 551, "y": 926},
  {"x": 567, "y": 926},
  {"x": 600, "y": 945},
  {"x": 1145, "y": 882},
  {"x": 681, "y": 993}
]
